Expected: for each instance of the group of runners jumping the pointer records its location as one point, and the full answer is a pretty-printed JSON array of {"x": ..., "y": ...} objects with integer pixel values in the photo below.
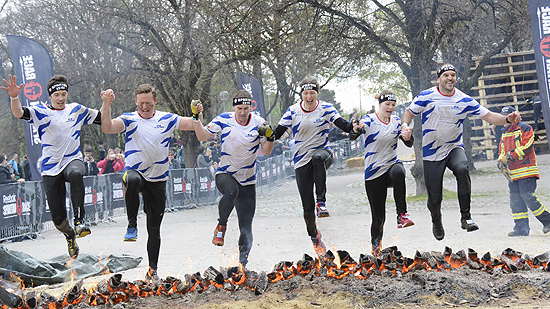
[{"x": 242, "y": 134}]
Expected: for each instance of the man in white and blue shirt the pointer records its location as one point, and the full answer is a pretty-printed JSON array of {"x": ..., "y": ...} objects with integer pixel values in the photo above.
[
  {"x": 242, "y": 134},
  {"x": 59, "y": 124},
  {"x": 443, "y": 110},
  {"x": 147, "y": 133}
]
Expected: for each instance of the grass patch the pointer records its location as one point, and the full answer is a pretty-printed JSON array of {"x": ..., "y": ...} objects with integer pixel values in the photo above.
[{"x": 447, "y": 194}]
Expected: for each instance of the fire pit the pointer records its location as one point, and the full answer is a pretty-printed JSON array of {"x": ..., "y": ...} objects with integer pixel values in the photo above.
[{"x": 390, "y": 263}]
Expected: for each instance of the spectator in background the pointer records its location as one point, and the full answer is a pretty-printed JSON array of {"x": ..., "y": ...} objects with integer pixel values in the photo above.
[
  {"x": 180, "y": 156},
  {"x": 110, "y": 164},
  {"x": 26, "y": 168},
  {"x": 354, "y": 115},
  {"x": 173, "y": 163},
  {"x": 6, "y": 175},
  {"x": 202, "y": 159},
  {"x": 537, "y": 108},
  {"x": 101, "y": 152},
  {"x": 215, "y": 148},
  {"x": 372, "y": 109},
  {"x": 14, "y": 162},
  {"x": 277, "y": 148},
  {"x": 89, "y": 162}
]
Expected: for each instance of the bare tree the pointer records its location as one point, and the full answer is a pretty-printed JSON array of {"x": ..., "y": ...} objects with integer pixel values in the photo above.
[{"x": 410, "y": 34}]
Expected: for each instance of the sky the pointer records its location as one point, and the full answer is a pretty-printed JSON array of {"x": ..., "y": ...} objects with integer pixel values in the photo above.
[{"x": 349, "y": 95}]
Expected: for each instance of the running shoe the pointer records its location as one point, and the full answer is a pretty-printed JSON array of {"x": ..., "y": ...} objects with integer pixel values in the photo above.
[
  {"x": 322, "y": 210},
  {"x": 81, "y": 229},
  {"x": 219, "y": 234},
  {"x": 376, "y": 246},
  {"x": 546, "y": 228},
  {"x": 131, "y": 234},
  {"x": 152, "y": 275},
  {"x": 73, "y": 247},
  {"x": 404, "y": 221},
  {"x": 318, "y": 245},
  {"x": 469, "y": 225}
]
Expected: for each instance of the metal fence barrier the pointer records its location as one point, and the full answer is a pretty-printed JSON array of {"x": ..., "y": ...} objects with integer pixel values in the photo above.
[{"x": 25, "y": 210}]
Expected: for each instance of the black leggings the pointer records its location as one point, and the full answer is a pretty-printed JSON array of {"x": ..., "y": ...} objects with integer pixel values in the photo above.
[
  {"x": 54, "y": 186},
  {"x": 377, "y": 190},
  {"x": 154, "y": 203},
  {"x": 243, "y": 198},
  {"x": 457, "y": 162},
  {"x": 314, "y": 172}
]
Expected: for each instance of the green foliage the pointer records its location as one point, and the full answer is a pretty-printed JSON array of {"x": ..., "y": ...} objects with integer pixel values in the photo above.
[{"x": 379, "y": 75}]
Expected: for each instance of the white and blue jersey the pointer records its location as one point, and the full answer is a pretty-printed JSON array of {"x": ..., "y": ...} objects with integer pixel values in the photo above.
[
  {"x": 148, "y": 142},
  {"x": 239, "y": 146},
  {"x": 59, "y": 133},
  {"x": 442, "y": 120},
  {"x": 380, "y": 144},
  {"x": 309, "y": 128}
]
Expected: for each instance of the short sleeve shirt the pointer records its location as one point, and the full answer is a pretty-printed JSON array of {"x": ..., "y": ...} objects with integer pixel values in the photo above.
[
  {"x": 442, "y": 120},
  {"x": 239, "y": 146},
  {"x": 309, "y": 128},
  {"x": 59, "y": 133},
  {"x": 380, "y": 144},
  {"x": 148, "y": 142}
]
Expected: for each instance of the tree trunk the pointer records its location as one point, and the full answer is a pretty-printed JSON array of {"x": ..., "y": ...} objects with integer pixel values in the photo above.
[
  {"x": 417, "y": 171},
  {"x": 467, "y": 139}
]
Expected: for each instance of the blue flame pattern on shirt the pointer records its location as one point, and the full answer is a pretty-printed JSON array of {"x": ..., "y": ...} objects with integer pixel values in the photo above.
[
  {"x": 239, "y": 146},
  {"x": 442, "y": 120},
  {"x": 309, "y": 128},
  {"x": 380, "y": 145},
  {"x": 59, "y": 133},
  {"x": 147, "y": 143}
]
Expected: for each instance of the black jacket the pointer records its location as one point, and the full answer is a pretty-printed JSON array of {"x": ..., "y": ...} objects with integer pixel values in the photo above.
[{"x": 5, "y": 175}]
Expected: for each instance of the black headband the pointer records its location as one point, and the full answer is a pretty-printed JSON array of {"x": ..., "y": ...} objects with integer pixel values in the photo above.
[
  {"x": 58, "y": 86},
  {"x": 310, "y": 87},
  {"x": 448, "y": 67},
  {"x": 387, "y": 97},
  {"x": 244, "y": 101}
]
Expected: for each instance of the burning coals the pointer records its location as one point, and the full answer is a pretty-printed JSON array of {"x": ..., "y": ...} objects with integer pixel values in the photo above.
[{"x": 389, "y": 263}]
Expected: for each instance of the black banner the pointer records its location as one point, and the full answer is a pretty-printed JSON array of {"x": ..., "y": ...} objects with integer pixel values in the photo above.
[
  {"x": 540, "y": 26},
  {"x": 253, "y": 86},
  {"x": 33, "y": 67}
]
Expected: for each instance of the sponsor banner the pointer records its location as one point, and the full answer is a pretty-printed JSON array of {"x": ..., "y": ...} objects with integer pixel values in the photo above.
[
  {"x": 262, "y": 173},
  {"x": 16, "y": 204},
  {"x": 206, "y": 185},
  {"x": 33, "y": 67},
  {"x": 178, "y": 184},
  {"x": 253, "y": 86},
  {"x": 115, "y": 190},
  {"x": 540, "y": 27},
  {"x": 93, "y": 194}
]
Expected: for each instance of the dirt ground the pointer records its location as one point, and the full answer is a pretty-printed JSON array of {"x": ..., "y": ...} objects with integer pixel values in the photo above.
[{"x": 280, "y": 235}]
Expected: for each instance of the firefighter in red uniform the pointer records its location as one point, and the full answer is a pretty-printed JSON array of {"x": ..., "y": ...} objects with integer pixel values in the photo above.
[{"x": 517, "y": 154}]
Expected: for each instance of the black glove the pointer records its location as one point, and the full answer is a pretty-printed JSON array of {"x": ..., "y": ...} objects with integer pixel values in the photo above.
[
  {"x": 266, "y": 130},
  {"x": 353, "y": 135}
]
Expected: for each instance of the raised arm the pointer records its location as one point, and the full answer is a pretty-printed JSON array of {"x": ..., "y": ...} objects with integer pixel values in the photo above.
[
  {"x": 200, "y": 131},
  {"x": 186, "y": 123},
  {"x": 267, "y": 145},
  {"x": 109, "y": 125},
  {"x": 13, "y": 91},
  {"x": 499, "y": 119}
]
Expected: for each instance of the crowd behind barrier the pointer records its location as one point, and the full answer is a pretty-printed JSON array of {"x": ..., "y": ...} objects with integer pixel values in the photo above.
[{"x": 25, "y": 211}]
